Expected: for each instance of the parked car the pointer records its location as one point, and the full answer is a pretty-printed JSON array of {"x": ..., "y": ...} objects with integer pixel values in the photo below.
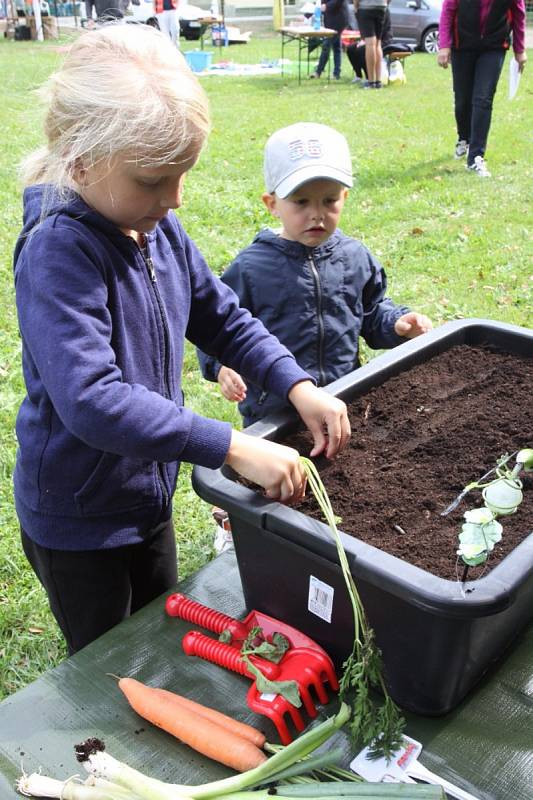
[
  {"x": 189, "y": 16},
  {"x": 416, "y": 22}
]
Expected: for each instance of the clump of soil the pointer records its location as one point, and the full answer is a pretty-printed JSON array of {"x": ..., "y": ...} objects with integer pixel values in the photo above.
[{"x": 417, "y": 440}]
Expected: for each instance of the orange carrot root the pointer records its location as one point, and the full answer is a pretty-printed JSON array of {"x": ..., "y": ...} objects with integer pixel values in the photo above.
[
  {"x": 203, "y": 735},
  {"x": 232, "y": 725}
]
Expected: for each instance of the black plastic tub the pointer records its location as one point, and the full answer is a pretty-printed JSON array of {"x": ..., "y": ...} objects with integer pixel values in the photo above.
[{"x": 436, "y": 640}]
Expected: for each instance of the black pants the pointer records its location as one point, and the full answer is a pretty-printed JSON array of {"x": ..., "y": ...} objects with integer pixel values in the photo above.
[
  {"x": 91, "y": 591},
  {"x": 475, "y": 78},
  {"x": 356, "y": 55},
  {"x": 107, "y": 10}
]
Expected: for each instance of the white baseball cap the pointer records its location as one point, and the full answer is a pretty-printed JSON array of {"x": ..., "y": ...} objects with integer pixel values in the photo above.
[{"x": 303, "y": 152}]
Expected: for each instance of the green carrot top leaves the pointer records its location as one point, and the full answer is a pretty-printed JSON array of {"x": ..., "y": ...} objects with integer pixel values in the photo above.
[{"x": 380, "y": 727}]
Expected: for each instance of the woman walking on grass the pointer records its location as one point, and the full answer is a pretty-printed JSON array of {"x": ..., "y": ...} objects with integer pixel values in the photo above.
[{"x": 474, "y": 37}]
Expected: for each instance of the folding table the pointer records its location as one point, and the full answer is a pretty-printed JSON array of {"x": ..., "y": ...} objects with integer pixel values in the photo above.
[{"x": 304, "y": 36}]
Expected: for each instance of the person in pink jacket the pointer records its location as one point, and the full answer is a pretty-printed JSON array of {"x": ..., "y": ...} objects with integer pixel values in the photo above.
[{"x": 474, "y": 37}]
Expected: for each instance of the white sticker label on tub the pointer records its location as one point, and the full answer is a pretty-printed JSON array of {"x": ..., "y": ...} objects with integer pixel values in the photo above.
[{"x": 320, "y": 598}]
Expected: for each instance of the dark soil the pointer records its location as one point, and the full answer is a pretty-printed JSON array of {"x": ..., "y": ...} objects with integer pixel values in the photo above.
[{"x": 417, "y": 440}]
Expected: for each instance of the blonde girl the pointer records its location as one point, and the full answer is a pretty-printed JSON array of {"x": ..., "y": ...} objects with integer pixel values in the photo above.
[{"x": 108, "y": 286}]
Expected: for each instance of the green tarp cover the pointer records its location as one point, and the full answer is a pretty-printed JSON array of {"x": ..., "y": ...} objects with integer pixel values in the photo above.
[{"x": 485, "y": 746}]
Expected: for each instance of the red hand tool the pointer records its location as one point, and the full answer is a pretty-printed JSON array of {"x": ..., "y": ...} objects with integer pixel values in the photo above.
[{"x": 304, "y": 662}]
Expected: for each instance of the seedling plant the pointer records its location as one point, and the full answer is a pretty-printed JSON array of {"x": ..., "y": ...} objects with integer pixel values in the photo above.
[{"x": 502, "y": 496}]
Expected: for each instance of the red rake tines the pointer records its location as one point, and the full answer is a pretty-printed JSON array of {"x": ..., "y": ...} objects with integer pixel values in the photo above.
[{"x": 304, "y": 662}]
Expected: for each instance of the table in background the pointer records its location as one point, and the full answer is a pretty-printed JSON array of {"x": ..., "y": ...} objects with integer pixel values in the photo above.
[
  {"x": 207, "y": 23},
  {"x": 303, "y": 35},
  {"x": 484, "y": 746}
]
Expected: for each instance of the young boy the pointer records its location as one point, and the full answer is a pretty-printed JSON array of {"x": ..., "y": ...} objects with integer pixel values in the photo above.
[{"x": 313, "y": 287}]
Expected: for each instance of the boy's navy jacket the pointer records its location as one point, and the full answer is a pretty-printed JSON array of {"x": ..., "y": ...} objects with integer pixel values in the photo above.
[
  {"x": 103, "y": 427},
  {"x": 317, "y": 301}
]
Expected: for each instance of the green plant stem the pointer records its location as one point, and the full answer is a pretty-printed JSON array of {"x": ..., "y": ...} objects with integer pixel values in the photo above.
[{"x": 381, "y": 729}]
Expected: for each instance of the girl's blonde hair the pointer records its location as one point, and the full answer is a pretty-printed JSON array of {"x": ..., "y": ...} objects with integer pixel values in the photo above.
[{"x": 123, "y": 89}]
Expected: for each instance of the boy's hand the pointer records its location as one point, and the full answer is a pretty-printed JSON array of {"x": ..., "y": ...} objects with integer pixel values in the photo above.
[
  {"x": 232, "y": 385},
  {"x": 411, "y": 325},
  {"x": 273, "y": 466},
  {"x": 325, "y": 416}
]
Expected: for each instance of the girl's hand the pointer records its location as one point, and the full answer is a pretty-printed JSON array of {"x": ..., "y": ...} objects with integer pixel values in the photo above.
[
  {"x": 411, "y": 325},
  {"x": 325, "y": 416},
  {"x": 443, "y": 57},
  {"x": 232, "y": 385},
  {"x": 521, "y": 59},
  {"x": 273, "y": 466}
]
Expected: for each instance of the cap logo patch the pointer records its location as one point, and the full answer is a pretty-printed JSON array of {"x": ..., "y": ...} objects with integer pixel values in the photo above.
[{"x": 312, "y": 148}]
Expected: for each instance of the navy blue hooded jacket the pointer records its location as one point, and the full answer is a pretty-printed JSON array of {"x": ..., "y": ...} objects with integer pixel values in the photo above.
[
  {"x": 103, "y": 427},
  {"x": 317, "y": 301}
]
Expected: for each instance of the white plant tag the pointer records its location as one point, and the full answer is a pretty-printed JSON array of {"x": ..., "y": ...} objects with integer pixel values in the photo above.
[{"x": 320, "y": 600}]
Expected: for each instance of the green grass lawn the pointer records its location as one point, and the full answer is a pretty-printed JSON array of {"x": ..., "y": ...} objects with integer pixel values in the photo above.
[{"x": 453, "y": 245}]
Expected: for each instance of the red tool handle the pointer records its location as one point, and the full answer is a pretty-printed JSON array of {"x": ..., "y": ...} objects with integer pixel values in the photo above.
[
  {"x": 198, "y": 644},
  {"x": 177, "y": 605}
]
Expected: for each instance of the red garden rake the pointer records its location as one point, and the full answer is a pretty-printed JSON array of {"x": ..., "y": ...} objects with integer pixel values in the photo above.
[{"x": 304, "y": 662}]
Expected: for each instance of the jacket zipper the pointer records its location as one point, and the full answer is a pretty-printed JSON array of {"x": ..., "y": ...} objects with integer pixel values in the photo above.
[
  {"x": 148, "y": 260},
  {"x": 318, "y": 290}
]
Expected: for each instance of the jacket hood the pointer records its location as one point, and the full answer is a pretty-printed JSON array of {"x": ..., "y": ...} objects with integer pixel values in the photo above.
[
  {"x": 296, "y": 249},
  {"x": 40, "y": 196}
]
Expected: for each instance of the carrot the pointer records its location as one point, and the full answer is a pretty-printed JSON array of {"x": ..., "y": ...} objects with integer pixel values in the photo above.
[
  {"x": 203, "y": 735},
  {"x": 233, "y": 725}
]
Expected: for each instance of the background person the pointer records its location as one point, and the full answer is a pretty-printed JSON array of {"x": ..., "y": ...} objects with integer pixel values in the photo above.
[
  {"x": 108, "y": 10},
  {"x": 108, "y": 285},
  {"x": 166, "y": 12},
  {"x": 356, "y": 52},
  {"x": 474, "y": 37},
  {"x": 335, "y": 17},
  {"x": 370, "y": 19},
  {"x": 316, "y": 289},
  {"x": 89, "y": 5}
]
